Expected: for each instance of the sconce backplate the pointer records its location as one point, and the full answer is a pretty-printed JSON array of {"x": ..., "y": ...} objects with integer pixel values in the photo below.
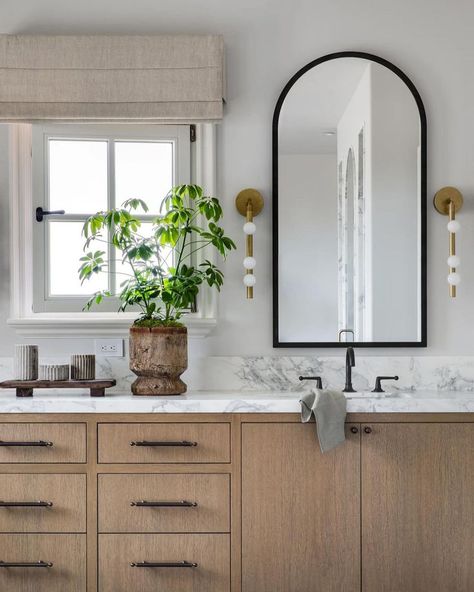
[
  {"x": 243, "y": 198},
  {"x": 444, "y": 197}
]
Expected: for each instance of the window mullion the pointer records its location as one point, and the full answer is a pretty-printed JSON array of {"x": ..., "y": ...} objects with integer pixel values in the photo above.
[{"x": 111, "y": 204}]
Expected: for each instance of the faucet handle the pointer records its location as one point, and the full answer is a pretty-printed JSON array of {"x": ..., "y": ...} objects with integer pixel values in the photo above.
[
  {"x": 378, "y": 383},
  {"x": 318, "y": 379}
]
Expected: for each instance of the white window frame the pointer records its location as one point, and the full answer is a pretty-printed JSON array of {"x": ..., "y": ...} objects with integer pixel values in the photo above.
[
  {"x": 28, "y": 323},
  {"x": 178, "y": 135}
]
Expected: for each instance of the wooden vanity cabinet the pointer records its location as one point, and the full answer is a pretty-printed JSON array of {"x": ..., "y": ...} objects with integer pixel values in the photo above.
[
  {"x": 417, "y": 507},
  {"x": 391, "y": 510},
  {"x": 255, "y": 505},
  {"x": 300, "y": 510}
]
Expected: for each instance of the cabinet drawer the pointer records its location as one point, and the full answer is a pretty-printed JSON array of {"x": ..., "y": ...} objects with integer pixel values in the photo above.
[
  {"x": 208, "y": 552},
  {"x": 42, "y": 443},
  {"x": 164, "y": 503},
  {"x": 66, "y": 553},
  {"x": 164, "y": 443},
  {"x": 42, "y": 503}
]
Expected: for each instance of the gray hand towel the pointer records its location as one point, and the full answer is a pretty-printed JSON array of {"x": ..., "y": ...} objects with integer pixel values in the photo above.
[{"x": 329, "y": 409}]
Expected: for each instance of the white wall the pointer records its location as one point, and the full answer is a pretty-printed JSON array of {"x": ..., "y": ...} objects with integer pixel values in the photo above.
[
  {"x": 395, "y": 208},
  {"x": 308, "y": 247},
  {"x": 267, "y": 41}
]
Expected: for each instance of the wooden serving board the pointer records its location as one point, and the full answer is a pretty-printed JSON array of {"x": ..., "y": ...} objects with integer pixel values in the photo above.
[{"x": 24, "y": 388}]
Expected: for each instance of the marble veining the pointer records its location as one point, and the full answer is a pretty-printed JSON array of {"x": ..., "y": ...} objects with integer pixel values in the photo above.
[
  {"x": 280, "y": 373},
  {"x": 238, "y": 402}
]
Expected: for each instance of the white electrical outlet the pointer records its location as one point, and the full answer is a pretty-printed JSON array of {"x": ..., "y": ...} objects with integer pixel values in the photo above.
[{"x": 109, "y": 347}]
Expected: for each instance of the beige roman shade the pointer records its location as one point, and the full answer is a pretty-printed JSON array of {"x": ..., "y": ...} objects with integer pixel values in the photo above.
[{"x": 164, "y": 78}]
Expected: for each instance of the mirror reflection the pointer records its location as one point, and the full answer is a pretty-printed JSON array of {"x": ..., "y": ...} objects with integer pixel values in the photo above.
[{"x": 349, "y": 207}]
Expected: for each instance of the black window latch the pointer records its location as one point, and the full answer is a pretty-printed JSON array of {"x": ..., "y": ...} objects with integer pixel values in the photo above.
[{"x": 40, "y": 213}]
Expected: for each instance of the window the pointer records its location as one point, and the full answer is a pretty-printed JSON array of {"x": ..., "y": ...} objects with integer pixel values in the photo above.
[
  {"x": 82, "y": 169},
  {"x": 39, "y": 305}
]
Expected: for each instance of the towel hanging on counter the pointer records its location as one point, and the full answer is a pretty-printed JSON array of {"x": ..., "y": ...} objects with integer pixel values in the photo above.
[{"x": 329, "y": 410}]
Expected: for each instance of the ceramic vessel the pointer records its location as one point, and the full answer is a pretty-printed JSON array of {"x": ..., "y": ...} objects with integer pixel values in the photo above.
[
  {"x": 26, "y": 362},
  {"x": 54, "y": 372},
  {"x": 82, "y": 367},
  {"x": 158, "y": 356}
]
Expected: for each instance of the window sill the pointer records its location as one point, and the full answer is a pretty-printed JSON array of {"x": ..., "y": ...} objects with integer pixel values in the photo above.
[{"x": 94, "y": 325}]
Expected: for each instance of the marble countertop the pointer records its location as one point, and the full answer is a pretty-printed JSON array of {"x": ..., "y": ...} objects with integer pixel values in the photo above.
[{"x": 237, "y": 402}]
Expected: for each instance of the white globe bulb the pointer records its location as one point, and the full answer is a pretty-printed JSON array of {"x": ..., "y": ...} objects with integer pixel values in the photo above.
[
  {"x": 453, "y": 226},
  {"x": 250, "y": 263},
  {"x": 249, "y": 228},
  {"x": 250, "y": 280},
  {"x": 454, "y": 261},
  {"x": 454, "y": 279}
]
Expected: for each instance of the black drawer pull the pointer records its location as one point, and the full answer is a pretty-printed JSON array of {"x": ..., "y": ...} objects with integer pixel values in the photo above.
[
  {"x": 40, "y": 443},
  {"x": 185, "y": 443},
  {"x": 164, "y": 564},
  {"x": 180, "y": 504},
  {"x": 38, "y": 504},
  {"x": 22, "y": 564}
]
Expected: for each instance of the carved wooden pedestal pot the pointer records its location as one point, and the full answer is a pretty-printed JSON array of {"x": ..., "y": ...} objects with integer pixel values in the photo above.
[{"x": 158, "y": 356}]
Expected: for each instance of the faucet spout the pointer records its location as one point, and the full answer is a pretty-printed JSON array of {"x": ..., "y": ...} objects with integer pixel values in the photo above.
[{"x": 350, "y": 363}]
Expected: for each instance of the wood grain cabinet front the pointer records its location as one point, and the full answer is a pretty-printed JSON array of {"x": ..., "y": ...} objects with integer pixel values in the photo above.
[
  {"x": 152, "y": 562},
  {"x": 164, "y": 443},
  {"x": 164, "y": 503},
  {"x": 43, "y": 443},
  {"x": 43, "y": 563},
  {"x": 42, "y": 503},
  {"x": 418, "y": 507},
  {"x": 300, "y": 510}
]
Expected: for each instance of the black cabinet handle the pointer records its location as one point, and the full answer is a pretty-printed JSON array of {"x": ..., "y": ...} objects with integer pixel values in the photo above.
[
  {"x": 179, "y": 504},
  {"x": 164, "y": 564},
  {"x": 38, "y": 504},
  {"x": 367, "y": 430},
  {"x": 354, "y": 430},
  {"x": 147, "y": 443},
  {"x": 23, "y": 564},
  {"x": 39, "y": 443},
  {"x": 40, "y": 213}
]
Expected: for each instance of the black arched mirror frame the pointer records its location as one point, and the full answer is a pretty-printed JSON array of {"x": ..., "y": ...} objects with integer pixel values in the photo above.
[{"x": 422, "y": 342}]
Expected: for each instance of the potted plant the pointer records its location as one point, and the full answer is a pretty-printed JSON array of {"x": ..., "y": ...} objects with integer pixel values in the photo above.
[{"x": 160, "y": 277}]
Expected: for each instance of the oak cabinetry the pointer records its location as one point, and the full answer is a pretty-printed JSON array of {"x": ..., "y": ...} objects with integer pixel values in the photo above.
[
  {"x": 202, "y": 562},
  {"x": 164, "y": 503},
  {"x": 62, "y": 567},
  {"x": 235, "y": 503},
  {"x": 42, "y": 503},
  {"x": 43, "y": 443},
  {"x": 164, "y": 443},
  {"x": 300, "y": 511},
  {"x": 411, "y": 483},
  {"x": 418, "y": 507}
]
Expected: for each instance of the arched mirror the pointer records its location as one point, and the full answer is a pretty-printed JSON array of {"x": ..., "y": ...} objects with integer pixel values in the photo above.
[{"x": 349, "y": 206}]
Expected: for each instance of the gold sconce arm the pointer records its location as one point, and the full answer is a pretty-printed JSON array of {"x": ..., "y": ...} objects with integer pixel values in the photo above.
[
  {"x": 448, "y": 201},
  {"x": 249, "y": 203}
]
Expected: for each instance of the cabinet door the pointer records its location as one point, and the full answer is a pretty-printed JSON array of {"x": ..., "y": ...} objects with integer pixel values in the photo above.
[
  {"x": 300, "y": 510},
  {"x": 418, "y": 507}
]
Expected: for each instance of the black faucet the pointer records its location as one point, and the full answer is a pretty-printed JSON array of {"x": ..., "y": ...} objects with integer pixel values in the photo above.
[{"x": 350, "y": 363}]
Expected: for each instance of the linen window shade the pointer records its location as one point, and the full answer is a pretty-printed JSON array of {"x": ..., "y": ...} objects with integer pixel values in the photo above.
[{"x": 99, "y": 78}]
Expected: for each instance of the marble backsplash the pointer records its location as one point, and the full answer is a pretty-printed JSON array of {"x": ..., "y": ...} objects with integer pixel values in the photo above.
[{"x": 280, "y": 373}]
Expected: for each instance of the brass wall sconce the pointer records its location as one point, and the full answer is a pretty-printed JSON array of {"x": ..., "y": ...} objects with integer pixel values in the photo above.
[
  {"x": 448, "y": 201},
  {"x": 249, "y": 203}
]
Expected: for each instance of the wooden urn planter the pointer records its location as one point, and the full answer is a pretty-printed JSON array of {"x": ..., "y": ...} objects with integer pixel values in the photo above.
[{"x": 158, "y": 356}]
